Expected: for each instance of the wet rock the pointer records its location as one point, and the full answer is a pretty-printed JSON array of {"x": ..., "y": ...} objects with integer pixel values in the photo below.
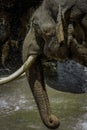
[{"x": 70, "y": 77}]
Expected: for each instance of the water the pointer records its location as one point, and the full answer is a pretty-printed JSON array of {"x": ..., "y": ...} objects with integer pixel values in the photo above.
[{"x": 18, "y": 110}]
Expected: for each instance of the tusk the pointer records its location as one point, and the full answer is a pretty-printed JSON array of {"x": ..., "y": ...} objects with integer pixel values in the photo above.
[
  {"x": 20, "y": 76},
  {"x": 59, "y": 27},
  {"x": 20, "y": 71}
]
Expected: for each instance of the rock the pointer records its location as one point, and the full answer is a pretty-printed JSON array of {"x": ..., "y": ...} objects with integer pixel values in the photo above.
[{"x": 70, "y": 77}]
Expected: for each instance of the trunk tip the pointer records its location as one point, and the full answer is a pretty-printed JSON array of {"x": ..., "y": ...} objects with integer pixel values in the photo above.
[{"x": 53, "y": 122}]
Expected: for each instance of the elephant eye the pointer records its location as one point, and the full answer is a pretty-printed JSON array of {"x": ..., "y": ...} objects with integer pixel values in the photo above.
[{"x": 36, "y": 27}]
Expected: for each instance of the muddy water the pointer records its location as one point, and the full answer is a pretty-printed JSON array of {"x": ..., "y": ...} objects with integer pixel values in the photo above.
[{"x": 18, "y": 110}]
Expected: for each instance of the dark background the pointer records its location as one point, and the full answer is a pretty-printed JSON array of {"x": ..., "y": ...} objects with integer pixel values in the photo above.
[{"x": 14, "y": 24}]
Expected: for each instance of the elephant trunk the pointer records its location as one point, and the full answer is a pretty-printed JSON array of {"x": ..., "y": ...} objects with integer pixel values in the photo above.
[
  {"x": 37, "y": 85},
  {"x": 42, "y": 101}
]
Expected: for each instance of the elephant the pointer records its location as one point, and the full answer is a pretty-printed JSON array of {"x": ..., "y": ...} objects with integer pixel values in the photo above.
[{"x": 57, "y": 31}]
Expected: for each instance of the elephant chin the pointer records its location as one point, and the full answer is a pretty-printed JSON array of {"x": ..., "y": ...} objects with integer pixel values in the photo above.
[{"x": 20, "y": 71}]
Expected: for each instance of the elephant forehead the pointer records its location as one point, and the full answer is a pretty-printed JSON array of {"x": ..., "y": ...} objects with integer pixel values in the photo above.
[{"x": 48, "y": 27}]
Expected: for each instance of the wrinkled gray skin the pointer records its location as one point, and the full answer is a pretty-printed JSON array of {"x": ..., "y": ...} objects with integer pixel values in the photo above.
[{"x": 42, "y": 41}]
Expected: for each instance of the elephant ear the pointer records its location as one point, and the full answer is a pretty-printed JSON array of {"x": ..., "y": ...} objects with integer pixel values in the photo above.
[{"x": 60, "y": 26}]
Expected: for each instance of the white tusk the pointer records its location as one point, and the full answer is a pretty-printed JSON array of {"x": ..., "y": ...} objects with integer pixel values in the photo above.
[
  {"x": 20, "y": 76},
  {"x": 20, "y": 71}
]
